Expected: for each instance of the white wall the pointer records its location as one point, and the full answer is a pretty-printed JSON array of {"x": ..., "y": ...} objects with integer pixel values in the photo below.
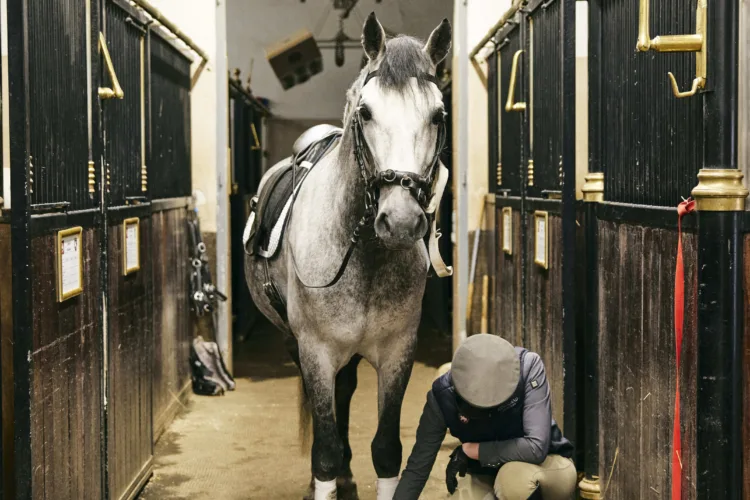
[
  {"x": 252, "y": 26},
  {"x": 482, "y": 15},
  {"x": 198, "y": 20}
]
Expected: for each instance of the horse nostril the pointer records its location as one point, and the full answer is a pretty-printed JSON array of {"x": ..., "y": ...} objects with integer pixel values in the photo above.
[{"x": 383, "y": 223}]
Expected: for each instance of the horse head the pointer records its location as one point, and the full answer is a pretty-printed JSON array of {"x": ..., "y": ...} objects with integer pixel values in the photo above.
[{"x": 398, "y": 119}]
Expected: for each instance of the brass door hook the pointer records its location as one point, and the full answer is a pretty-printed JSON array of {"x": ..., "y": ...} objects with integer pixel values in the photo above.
[
  {"x": 678, "y": 43},
  {"x": 509, "y": 104},
  {"x": 106, "y": 92}
]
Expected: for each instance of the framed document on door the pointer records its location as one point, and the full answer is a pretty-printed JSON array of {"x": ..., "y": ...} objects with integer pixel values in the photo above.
[
  {"x": 541, "y": 239},
  {"x": 131, "y": 245},
  {"x": 69, "y": 263}
]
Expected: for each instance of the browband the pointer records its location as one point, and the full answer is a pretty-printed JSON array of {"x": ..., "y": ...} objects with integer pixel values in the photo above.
[{"x": 426, "y": 76}]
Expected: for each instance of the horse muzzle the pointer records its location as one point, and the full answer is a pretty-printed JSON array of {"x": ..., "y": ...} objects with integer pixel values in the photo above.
[{"x": 401, "y": 220}]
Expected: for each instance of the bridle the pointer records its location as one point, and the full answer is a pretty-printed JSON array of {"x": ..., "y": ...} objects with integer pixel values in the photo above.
[{"x": 419, "y": 186}]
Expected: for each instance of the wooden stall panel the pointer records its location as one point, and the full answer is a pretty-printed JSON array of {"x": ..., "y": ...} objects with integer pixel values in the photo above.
[
  {"x": 508, "y": 286},
  {"x": 481, "y": 315},
  {"x": 172, "y": 331},
  {"x": 6, "y": 361},
  {"x": 130, "y": 442},
  {"x": 544, "y": 332},
  {"x": 637, "y": 360},
  {"x": 66, "y": 378}
]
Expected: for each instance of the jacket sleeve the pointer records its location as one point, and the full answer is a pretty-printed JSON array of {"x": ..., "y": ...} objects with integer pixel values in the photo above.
[
  {"x": 430, "y": 436},
  {"x": 537, "y": 423}
]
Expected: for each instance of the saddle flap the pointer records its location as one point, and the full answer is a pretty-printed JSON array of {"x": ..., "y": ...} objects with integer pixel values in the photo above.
[{"x": 265, "y": 226}]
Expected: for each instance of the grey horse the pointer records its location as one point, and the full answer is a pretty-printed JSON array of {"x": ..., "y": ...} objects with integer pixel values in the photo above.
[{"x": 373, "y": 309}]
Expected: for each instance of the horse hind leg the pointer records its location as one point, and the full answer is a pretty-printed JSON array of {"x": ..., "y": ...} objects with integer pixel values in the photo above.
[{"x": 346, "y": 384}]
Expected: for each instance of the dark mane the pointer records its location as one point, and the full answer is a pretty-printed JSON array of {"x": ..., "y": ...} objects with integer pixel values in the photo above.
[{"x": 403, "y": 59}]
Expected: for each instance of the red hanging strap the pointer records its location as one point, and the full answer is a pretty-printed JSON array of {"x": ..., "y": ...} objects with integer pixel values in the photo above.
[{"x": 683, "y": 208}]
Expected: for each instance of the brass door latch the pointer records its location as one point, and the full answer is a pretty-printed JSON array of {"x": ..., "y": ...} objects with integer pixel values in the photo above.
[
  {"x": 510, "y": 105},
  {"x": 256, "y": 146},
  {"x": 106, "y": 92},
  {"x": 678, "y": 43}
]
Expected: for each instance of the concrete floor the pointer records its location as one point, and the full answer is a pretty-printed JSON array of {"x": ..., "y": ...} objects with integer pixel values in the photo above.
[{"x": 245, "y": 444}]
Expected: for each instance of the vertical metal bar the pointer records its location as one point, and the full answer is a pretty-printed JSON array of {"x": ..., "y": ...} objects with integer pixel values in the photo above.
[
  {"x": 720, "y": 110},
  {"x": 523, "y": 94},
  {"x": 149, "y": 124},
  {"x": 595, "y": 86},
  {"x": 144, "y": 164},
  {"x": 720, "y": 267},
  {"x": 461, "y": 106},
  {"x": 589, "y": 439},
  {"x": 492, "y": 120},
  {"x": 18, "y": 71},
  {"x": 99, "y": 23},
  {"x": 720, "y": 336},
  {"x": 568, "y": 62}
]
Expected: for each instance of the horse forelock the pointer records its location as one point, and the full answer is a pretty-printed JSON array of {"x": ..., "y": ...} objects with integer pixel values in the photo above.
[{"x": 403, "y": 60}]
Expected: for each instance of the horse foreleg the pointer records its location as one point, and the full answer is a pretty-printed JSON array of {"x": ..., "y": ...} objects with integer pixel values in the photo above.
[
  {"x": 393, "y": 377},
  {"x": 346, "y": 384},
  {"x": 319, "y": 373}
]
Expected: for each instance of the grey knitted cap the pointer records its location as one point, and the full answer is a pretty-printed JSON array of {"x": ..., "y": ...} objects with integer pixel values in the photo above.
[{"x": 485, "y": 370}]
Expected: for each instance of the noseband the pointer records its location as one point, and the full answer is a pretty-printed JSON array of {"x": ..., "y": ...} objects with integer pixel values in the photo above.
[{"x": 419, "y": 186}]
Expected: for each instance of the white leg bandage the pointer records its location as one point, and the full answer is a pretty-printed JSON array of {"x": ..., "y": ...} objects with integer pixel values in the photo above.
[
  {"x": 325, "y": 490},
  {"x": 387, "y": 487}
]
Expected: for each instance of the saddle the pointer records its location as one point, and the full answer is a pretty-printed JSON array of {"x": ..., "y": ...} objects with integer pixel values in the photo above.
[{"x": 270, "y": 208}]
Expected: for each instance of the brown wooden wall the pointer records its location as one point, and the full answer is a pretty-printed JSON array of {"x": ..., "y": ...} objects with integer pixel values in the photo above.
[
  {"x": 544, "y": 332},
  {"x": 508, "y": 285},
  {"x": 172, "y": 330},
  {"x": 66, "y": 377},
  {"x": 6, "y": 359},
  {"x": 130, "y": 442},
  {"x": 543, "y": 298},
  {"x": 637, "y": 359}
]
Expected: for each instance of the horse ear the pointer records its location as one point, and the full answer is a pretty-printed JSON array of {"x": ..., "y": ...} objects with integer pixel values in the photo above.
[
  {"x": 439, "y": 43},
  {"x": 373, "y": 37}
]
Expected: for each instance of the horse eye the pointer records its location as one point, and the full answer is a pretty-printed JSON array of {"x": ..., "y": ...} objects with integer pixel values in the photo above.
[
  {"x": 365, "y": 113},
  {"x": 439, "y": 117}
]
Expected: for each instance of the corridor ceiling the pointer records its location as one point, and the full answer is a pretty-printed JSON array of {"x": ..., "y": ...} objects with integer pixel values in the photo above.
[{"x": 252, "y": 26}]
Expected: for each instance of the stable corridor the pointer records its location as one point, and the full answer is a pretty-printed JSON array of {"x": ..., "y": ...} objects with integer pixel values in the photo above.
[{"x": 245, "y": 444}]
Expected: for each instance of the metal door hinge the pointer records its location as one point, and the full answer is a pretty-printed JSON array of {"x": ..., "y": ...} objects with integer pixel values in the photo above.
[
  {"x": 530, "y": 170},
  {"x": 144, "y": 178},
  {"x": 92, "y": 177},
  {"x": 31, "y": 174}
]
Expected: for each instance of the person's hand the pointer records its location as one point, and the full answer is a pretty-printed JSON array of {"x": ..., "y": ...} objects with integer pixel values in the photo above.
[
  {"x": 457, "y": 465},
  {"x": 471, "y": 450}
]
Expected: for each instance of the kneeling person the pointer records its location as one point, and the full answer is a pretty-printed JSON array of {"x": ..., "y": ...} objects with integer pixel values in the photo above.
[{"x": 496, "y": 401}]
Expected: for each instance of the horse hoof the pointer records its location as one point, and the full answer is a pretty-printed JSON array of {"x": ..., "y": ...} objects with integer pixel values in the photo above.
[{"x": 346, "y": 489}]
